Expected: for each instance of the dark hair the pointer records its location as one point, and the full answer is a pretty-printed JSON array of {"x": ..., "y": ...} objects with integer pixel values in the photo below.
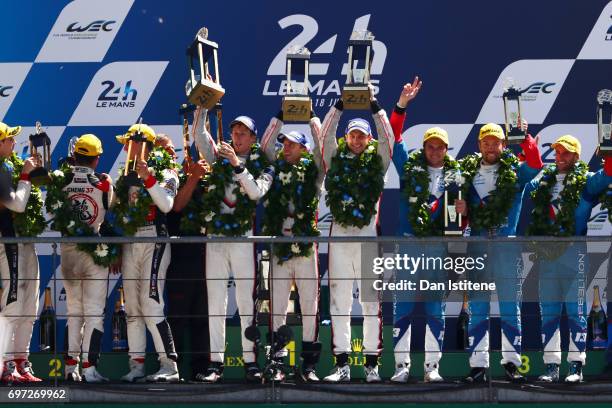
[{"x": 82, "y": 160}]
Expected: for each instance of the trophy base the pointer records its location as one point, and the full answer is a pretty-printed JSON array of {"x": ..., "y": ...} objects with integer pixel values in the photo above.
[
  {"x": 356, "y": 97},
  {"x": 453, "y": 233},
  {"x": 132, "y": 179},
  {"x": 296, "y": 109},
  {"x": 515, "y": 139},
  {"x": 206, "y": 94},
  {"x": 40, "y": 177},
  {"x": 604, "y": 150}
]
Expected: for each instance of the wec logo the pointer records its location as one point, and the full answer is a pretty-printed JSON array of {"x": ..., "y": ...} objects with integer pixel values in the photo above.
[
  {"x": 98, "y": 25},
  {"x": 4, "y": 91},
  {"x": 112, "y": 97},
  {"x": 538, "y": 87}
]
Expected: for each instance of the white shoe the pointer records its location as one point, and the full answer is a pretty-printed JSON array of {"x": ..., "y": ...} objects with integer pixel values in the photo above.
[
  {"x": 339, "y": 374},
  {"x": 168, "y": 371},
  {"x": 371, "y": 374},
  {"x": 91, "y": 375},
  {"x": 431, "y": 373},
  {"x": 71, "y": 373},
  {"x": 137, "y": 372},
  {"x": 402, "y": 373}
]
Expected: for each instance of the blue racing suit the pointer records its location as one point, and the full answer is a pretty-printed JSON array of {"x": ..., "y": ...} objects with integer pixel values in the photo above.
[
  {"x": 504, "y": 266},
  {"x": 405, "y": 302},
  {"x": 563, "y": 280}
]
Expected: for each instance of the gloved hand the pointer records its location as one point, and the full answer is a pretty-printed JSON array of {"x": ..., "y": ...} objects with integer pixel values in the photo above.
[{"x": 532, "y": 153}]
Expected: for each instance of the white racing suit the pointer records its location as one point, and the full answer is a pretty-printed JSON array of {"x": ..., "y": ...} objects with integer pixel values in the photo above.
[
  {"x": 84, "y": 281},
  {"x": 303, "y": 270},
  {"x": 144, "y": 272},
  {"x": 231, "y": 259},
  {"x": 20, "y": 278},
  {"x": 345, "y": 258}
]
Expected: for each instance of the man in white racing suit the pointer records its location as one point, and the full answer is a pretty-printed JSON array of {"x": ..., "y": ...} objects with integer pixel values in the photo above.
[
  {"x": 84, "y": 280},
  {"x": 18, "y": 266},
  {"x": 241, "y": 190},
  {"x": 298, "y": 267},
  {"x": 345, "y": 258},
  {"x": 144, "y": 265}
]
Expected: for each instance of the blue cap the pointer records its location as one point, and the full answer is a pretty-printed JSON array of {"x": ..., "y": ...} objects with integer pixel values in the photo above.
[
  {"x": 246, "y": 121},
  {"x": 358, "y": 124},
  {"x": 295, "y": 136}
]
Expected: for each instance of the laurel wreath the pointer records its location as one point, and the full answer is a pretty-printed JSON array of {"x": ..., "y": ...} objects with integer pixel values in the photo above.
[
  {"x": 222, "y": 175},
  {"x": 126, "y": 218},
  {"x": 31, "y": 222},
  {"x": 494, "y": 212},
  {"x": 416, "y": 192},
  {"x": 564, "y": 223},
  {"x": 293, "y": 183},
  {"x": 58, "y": 203},
  {"x": 354, "y": 185}
]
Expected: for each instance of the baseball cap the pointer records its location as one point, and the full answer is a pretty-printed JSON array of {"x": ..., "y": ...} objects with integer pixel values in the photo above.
[
  {"x": 146, "y": 130},
  {"x": 570, "y": 143},
  {"x": 436, "y": 133},
  {"x": 88, "y": 145},
  {"x": 358, "y": 124},
  {"x": 295, "y": 136},
  {"x": 491, "y": 129},
  {"x": 246, "y": 121},
  {"x": 6, "y": 131}
]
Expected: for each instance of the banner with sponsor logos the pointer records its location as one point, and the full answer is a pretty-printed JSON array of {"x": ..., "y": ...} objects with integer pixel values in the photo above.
[{"x": 82, "y": 66}]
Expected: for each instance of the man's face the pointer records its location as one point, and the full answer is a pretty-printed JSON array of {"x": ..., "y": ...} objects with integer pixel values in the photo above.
[
  {"x": 491, "y": 149},
  {"x": 165, "y": 143},
  {"x": 6, "y": 146},
  {"x": 357, "y": 141},
  {"x": 242, "y": 139},
  {"x": 564, "y": 159},
  {"x": 292, "y": 151},
  {"x": 435, "y": 150}
]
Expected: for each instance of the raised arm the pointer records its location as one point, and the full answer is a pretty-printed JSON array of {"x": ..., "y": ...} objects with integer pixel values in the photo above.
[
  {"x": 17, "y": 200},
  {"x": 315, "y": 131},
  {"x": 329, "y": 144},
  {"x": 203, "y": 140},
  {"x": 386, "y": 140},
  {"x": 268, "y": 141}
]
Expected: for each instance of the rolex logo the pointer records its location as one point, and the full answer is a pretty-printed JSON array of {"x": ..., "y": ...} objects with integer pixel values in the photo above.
[{"x": 357, "y": 345}]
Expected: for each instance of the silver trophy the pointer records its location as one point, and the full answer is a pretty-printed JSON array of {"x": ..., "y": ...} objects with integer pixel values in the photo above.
[
  {"x": 453, "y": 180},
  {"x": 604, "y": 122},
  {"x": 296, "y": 103},
  {"x": 515, "y": 133},
  {"x": 356, "y": 94},
  {"x": 203, "y": 87},
  {"x": 40, "y": 141}
]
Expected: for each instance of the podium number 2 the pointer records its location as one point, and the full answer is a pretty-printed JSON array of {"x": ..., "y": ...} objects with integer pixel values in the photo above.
[{"x": 56, "y": 367}]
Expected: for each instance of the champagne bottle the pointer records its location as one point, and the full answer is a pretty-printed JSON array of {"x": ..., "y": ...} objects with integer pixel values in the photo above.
[
  {"x": 462, "y": 325},
  {"x": 597, "y": 331},
  {"x": 47, "y": 324},
  {"x": 120, "y": 324}
]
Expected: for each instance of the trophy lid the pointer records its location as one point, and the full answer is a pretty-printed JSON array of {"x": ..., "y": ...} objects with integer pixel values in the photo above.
[
  {"x": 604, "y": 96},
  {"x": 208, "y": 46},
  {"x": 298, "y": 52},
  {"x": 361, "y": 36},
  {"x": 511, "y": 89}
]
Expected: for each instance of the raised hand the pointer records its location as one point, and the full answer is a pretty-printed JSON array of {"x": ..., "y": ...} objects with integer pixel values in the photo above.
[{"x": 409, "y": 92}]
